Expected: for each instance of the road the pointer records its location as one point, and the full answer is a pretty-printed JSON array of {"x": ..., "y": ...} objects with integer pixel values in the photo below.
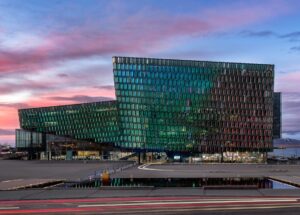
[{"x": 155, "y": 205}]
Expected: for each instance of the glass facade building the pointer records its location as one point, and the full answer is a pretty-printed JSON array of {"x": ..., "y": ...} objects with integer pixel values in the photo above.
[
  {"x": 182, "y": 105},
  {"x": 173, "y": 106},
  {"x": 27, "y": 139},
  {"x": 95, "y": 122}
]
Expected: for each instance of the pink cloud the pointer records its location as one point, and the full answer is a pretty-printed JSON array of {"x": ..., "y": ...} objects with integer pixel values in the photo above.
[
  {"x": 288, "y": 82},
  {"x": 6, "y": 88},
  {"x": 142, "y": 33},
  {"x": 9, "y": 118},
  {"x": 9, "y": 113},
  {"x": 72, "y": 96}
]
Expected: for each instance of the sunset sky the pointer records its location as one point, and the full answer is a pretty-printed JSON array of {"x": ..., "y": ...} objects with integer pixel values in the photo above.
[{"x": 59, "y": 52}]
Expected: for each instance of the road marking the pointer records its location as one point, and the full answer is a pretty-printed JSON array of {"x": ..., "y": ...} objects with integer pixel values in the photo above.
[
  {"x": 189, "y": 202},
  {"x": 214, "y": 199},
  {"x": 9, "y": 208},
  {"x": 145, "y": 167},
  {"x": 11, "y": 180},
  {"x": 200, "y": 209},
  {"x": 249, "y": 207},
  {"x": 153, "y": 210}
]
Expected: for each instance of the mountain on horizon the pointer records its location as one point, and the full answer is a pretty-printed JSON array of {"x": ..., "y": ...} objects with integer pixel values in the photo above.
[{"x": 286, "y": 142}]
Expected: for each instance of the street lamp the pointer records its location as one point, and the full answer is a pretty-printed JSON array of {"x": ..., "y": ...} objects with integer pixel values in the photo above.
[{"x": 222, "y": 151}]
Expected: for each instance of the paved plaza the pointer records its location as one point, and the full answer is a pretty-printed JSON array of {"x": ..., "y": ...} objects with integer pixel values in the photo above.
[
  {"x": 135, "y": 192},
  {"x": 72, "y": 170},
  {"x": 76, "y": 170},
  {"x": 69, "y": 170},
  {"x": 213, "y": 170}
]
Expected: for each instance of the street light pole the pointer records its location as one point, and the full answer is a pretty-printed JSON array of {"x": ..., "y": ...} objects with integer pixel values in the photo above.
[{"x": 222, "y": 151}]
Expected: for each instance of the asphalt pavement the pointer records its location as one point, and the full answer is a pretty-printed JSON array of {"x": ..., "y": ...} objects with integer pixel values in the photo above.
[
  {"x": 155, "y": 205},
  {"x": 113, "y": 192}
]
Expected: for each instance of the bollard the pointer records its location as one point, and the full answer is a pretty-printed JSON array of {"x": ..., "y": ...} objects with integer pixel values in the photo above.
[{"x": 105, "y": 178}]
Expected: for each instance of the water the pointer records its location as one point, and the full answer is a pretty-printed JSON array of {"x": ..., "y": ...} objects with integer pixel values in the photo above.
[
  {"x": 205, "y": 183},
  {"x": 280, "y": 185}
]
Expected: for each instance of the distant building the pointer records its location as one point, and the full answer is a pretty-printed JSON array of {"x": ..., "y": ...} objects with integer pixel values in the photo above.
[
  {"x": 175, "y": 106},
  {"x": 277, "y": 115}
]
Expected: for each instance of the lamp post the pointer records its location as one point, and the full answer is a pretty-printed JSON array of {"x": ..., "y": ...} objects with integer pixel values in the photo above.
[{"x": 222, "y": 151}]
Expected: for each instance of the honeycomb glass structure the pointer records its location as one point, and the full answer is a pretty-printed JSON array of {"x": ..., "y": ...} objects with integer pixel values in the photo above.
[
  {"x": 183, "y": 105},
  {"x": 172, "y": 106},
  {"x": 95, "y": 122}
]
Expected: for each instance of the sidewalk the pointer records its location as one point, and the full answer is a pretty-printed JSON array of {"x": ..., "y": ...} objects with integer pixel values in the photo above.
[{"x": 133, "y": 192}]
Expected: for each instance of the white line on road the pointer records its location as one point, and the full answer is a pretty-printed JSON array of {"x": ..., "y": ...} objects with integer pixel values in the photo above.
[
  {"x": 214, "y": 209},
  {"x": 189, "y": 202},
  {"x": 169, "y": 210},
  {"x": 11, "y": 180},
  {"x": 145, "y": 167},
  {"x": 9, "y": 208},
  {"x": 250, "y": 207}
]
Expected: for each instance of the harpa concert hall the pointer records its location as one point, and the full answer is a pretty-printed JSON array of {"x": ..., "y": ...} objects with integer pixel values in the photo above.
[{"x": 201, "y": 110}]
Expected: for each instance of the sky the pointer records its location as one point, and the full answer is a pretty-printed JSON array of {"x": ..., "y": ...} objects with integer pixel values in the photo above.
[{"x": 60, "y": 52}]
